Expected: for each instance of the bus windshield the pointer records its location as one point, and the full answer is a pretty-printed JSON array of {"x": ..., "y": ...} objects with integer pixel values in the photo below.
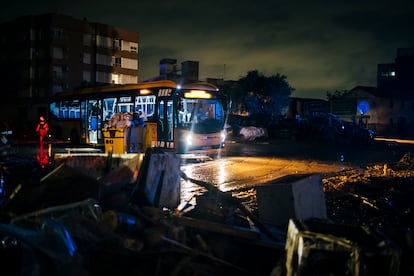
[{"x": 201, "y": 115}]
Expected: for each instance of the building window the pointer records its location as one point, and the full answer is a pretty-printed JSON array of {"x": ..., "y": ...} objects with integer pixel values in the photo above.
[
  {"x": 32, "y": 34},
  {"x": 87, "y": 39},
  {"x": 86, "y": 58},
  {"x": 103, "y": 60},
  {"x": 57, "y": 52},
  {"x": 133, "y": 47},
  {"x": 117, "y": 61},
  {"x": 57, "y": 88},
  {"x": 86, "y": 76},
  {"x": 105, "y": 42},
  {"x": 33, "y": 53},
  {"x": 115, "y": 79},
  {"x": 388, "y": 74},
  {"x": 129, "y": 46},
  {"x": 57, "y": 72},
  {"x": 103, "y": 77},
  {"x": 57, "y": 33},
  {"x": 116, "y": 44}
]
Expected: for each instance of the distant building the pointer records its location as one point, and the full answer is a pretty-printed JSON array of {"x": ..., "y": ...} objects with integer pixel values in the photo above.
[
  {"x": 189, "y": 70},
  {"x": 388, "y": 109},
  {"x": 169, "y": 70},
  {"x": 385, "y": 114},
  {"x": 45, "y": 54},
  {"x": 306, "y": 107},
  {"x": 397, "y": 78}
]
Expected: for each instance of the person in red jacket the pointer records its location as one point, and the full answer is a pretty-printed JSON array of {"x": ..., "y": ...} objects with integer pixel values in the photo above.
[{"x": 42, "y": 129}]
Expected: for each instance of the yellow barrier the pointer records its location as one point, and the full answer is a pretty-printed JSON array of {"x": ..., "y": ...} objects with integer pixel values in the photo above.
[{"x": 114, "y": 140}]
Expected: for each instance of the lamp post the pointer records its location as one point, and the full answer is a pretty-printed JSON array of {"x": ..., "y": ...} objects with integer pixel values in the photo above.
[{"x": 363, "y": 108}]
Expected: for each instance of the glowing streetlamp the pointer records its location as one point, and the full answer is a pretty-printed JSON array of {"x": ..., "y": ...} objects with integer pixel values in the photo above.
[{"x": 363, "y": 108}]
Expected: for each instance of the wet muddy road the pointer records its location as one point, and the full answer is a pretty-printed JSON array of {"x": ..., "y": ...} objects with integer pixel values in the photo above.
[{"x": 239, "y": 167}]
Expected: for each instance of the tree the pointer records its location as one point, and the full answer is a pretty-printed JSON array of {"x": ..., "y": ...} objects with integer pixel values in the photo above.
[{"x": 260, "y": 94}]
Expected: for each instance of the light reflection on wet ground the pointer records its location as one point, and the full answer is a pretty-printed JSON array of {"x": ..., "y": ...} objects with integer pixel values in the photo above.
[
  {"x": 239, "y": 167},
  {"x": 239, "y": 175}
]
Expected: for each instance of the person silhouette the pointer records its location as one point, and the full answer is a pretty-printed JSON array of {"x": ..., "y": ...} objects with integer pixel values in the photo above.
[{"x": 42, "y": 129}]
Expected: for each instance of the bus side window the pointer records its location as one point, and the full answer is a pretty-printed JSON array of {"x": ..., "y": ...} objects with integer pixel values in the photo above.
[
  {"x": 63, "y": 112},
  {"x": 54, "y": 108}
]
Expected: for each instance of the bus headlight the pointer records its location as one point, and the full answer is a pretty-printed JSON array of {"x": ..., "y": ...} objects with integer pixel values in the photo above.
[
  {"x": 223, "y": 137},
  {"x": 189, "y": 139}
]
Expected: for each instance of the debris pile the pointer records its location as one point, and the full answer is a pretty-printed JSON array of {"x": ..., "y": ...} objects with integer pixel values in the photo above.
[
  {"x": 111, "y": 219},
  {"x": 83, "y": 239},
  {"x": 378, "y": 196},
  {"x": 80, "y": 222}
]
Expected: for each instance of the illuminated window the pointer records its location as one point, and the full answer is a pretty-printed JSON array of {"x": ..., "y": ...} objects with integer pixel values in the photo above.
[{"x": 388, "y": 74}]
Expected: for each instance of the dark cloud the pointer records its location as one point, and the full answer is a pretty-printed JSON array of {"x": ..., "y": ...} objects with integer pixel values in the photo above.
[{"x": 319, "y": 46}]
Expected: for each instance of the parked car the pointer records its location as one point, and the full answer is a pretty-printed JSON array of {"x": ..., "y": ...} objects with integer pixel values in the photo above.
[
  {"x": 286, "y": 128},
  {"x": 325, "y": 127},
  {"x": 357, "y": 134}
]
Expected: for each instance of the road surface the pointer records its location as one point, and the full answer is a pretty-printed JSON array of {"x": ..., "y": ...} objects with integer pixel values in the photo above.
[{"x": 239, "y": 167}]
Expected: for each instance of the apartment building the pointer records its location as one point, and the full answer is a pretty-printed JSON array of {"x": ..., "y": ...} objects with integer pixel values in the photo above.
[
  {"x": 45, "y": 54},
  {"x": 397, "y": 78}
]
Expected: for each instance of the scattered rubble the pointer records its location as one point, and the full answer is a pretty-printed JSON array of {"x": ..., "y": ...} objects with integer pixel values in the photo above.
[
  {"x": 101, "y": 221},
  {"x": 379, "y": 196}
]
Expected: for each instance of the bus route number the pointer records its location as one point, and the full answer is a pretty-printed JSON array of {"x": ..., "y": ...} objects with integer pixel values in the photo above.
[{"x": 164, "y": 92}]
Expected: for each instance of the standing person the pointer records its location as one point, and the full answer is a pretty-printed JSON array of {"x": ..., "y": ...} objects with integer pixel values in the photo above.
[{"x": 42, "y": 129}]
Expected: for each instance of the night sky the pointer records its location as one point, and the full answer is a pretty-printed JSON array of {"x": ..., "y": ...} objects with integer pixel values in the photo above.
[{"x": 318, "y": 45}]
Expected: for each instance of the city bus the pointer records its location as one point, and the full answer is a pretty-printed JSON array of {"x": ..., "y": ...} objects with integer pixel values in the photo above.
[{"x": 179, "y": 118}]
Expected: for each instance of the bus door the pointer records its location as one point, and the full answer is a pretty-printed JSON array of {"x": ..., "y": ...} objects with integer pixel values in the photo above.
[
  {"x": 165, "y": 126},
  {"x": 94, "y": 121},
  {"x": 84, "y": 125}
]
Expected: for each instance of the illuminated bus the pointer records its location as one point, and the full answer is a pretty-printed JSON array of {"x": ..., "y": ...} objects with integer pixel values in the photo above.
[{"x": 180, "y": 118}]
